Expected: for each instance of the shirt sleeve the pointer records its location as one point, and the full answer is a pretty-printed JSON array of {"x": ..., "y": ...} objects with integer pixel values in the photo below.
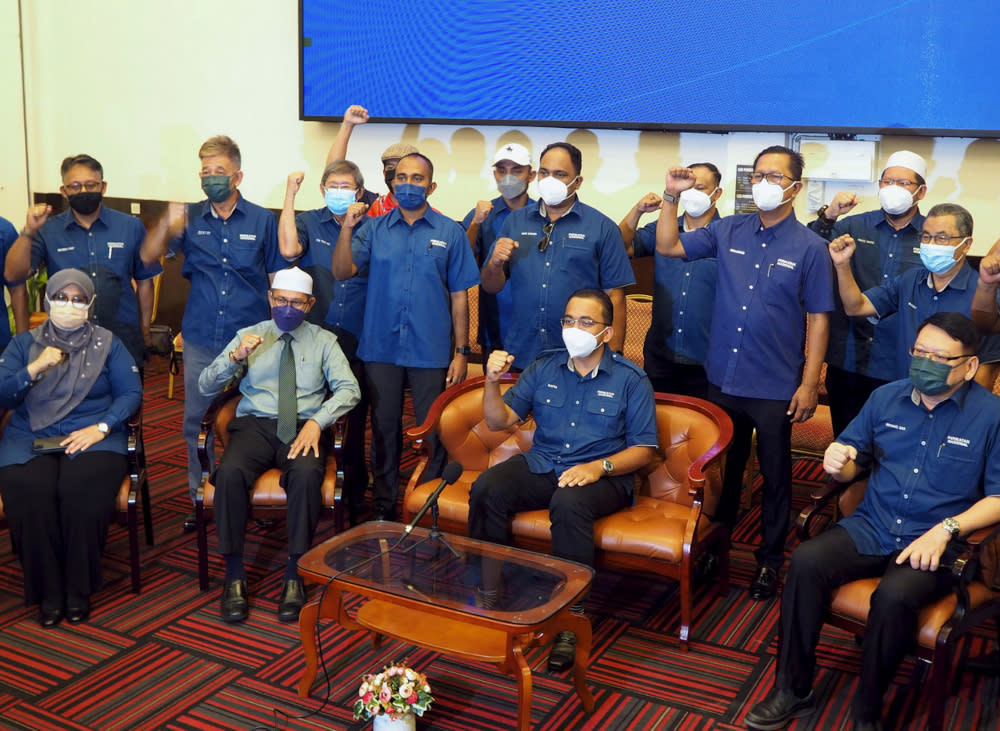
[
  {"x": 640, "y": 430},
  {"x": 462, "y": 270},
  {"x": 361, "y": 249},
  {"x": 14, "y": 379},
  {"x": 702, "y": 242},
  {"x": 126, "y": 387},
  {"x": 644, "y": 243},
  {"x": 615, "y": 269},
  {"x": 521, "y": 396},
  {"x": 221, "y": 370},
  {"x": 817, "y": 284},
  {"x": 885, "y": 297},
  {"x": 141, "y": 272},
  {"x": 859, "y": 433},
  {"x": 38, "y": 248},
  {"x": 303, "y": 233},
  {"x": 343, "y": 385},
  {"x": 273, "y": 259}
]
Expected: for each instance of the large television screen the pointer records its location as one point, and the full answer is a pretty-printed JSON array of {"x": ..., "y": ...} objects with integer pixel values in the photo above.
[{"x": 856, "y": 66}]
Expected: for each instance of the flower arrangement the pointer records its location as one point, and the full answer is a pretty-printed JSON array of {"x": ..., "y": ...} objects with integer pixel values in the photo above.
[{"x": 396, "y": 691}]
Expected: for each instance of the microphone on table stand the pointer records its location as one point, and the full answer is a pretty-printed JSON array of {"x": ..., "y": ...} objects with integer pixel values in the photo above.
[{"x": 450, "y": 475}]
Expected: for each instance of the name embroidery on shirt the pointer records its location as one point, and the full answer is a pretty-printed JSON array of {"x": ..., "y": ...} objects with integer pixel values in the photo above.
[
  {"x": 248, "y": 237},
  {"x": 323, "y": 241},
  {"x": 865, "y": 241},
  {"x": 529, "y": 233},
  {"x": 737, "y": 251},
  {"x": 112, "y": 245},
  {"x": 916, "y": 250},
  {"x": 576, "y": 236},
  {"x": 957, "y": 441},
  {"x": 66, "y": 248},
  {"x": 203, "y": 233},
  {"x": 606, "y": 394},
  {"x": 439, "y": 243},
  {"x": 552, "y": 385},
  {"x": 786, "y": 263},
  {"x": 897, "y": 427}
]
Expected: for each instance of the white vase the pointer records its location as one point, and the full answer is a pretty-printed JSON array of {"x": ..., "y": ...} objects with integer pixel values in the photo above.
[{"x": 404, "y": 722}]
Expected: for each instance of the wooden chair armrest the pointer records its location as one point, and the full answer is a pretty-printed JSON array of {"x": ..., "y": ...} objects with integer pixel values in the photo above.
[
  {"x": 821, "y": 497},
  {"x": 419, "y": 432},
  {"x": 231, "y": 391}
]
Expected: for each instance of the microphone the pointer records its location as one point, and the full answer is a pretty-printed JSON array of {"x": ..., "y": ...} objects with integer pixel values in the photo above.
[{"x": 451, "y": 473}]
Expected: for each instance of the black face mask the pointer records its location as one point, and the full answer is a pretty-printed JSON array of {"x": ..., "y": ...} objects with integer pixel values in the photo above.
[{"x": 85, "y": 203}]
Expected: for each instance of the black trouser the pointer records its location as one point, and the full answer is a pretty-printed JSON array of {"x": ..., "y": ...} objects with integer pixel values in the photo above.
[
  {"x": 681, "y": 378},
  {"x": 254, "y": 448},
  {"x": 774, "y": 452},
  {"x": 385, "y": 387},
  {"x": 847, "y": 393},
  {"x": 59, "y": 510},
  {"x": 355, "y": 462},
  {"x": 820, "y": 565}
]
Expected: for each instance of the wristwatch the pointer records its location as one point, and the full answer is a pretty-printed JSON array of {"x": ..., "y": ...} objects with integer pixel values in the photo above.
[
  {"x": 821, "y": 215},
  {"x": 103, "y": 428},
  {"x": 463, "y": 350},
  {"x": 951, "y": 525},
  {"x": 670, "y": 198},
  {"x": 607, "y": 466}
]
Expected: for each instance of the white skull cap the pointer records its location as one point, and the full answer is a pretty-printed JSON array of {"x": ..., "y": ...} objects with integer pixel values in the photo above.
[
  {"x": 293, "y": 280},
  {"x": 909, "y": 160}
]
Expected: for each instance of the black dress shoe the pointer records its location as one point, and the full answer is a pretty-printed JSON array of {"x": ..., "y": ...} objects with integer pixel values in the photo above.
[
  {"x": 563, "y": 652},
  {"x": 778, "y": 708},
  {"x": 77, "y": 610},
  {"x": 264, "y": 523},
  {"x": 765, "y": 583},
  {"x": 235, "y": 606},
  {"x": 190, "y": 522},
  {"x": 49, "y": 618},
  {"x": 867, "y": 725},
  {"x": 293, "y": 596}
]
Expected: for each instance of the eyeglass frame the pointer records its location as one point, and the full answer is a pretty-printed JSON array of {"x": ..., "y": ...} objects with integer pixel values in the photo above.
[
  {"x": 77, "y": 301},
  {"x": 936, "y": 358},
  {"x": 941, "y": 239},
  {"x": 768, "y": 176},
  {"x": 90, "y": 186},
  {"x": 901, "y": 182},
  {"x": 280, "y": 301},
  {"x": 567, "y": 321}
]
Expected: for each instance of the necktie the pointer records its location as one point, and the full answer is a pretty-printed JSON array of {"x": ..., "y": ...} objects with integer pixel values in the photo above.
[{"x": 288, "y": 411}]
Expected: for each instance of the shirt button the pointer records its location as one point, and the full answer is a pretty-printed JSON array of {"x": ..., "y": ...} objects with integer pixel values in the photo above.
[
  {"x": 899, "y": 521},
  {"x": 225, "y": 241},
  {"x": 916, "y": 470},
  {"x": 687, "y": 274},
  {"x": 736, "y": 350},
  {"x": 739, "y": 329},
  {"x": 224, "y": 260},
  {"x": 542, "y": 330},
  {"x": 906, "y": 496},
  {"x": 567, "y": 445},
  {"x": 744, "y": 307},
  {"x": 572, "y": 423},
  {"x": 751, "y": 286},
  {"x": 890, "y": 255},
  {"x": 602, "y": 411},
  {"x": 548, "y": 263},
  {"x": 577, "y": 403},
  {"x": 763, "y": 246},
  {"x": 923, "y": 443},
  {"x": 223, "y": 292},
  {"x": 548, "y": 401},
  {"x": 680, "y": 329},
  {"x": 684, "y": 294},
  {"x": 756, "y": 266}
]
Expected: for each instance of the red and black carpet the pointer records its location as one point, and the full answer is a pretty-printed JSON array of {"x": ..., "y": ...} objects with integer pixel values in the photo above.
[{"x": 163, "y": 659}]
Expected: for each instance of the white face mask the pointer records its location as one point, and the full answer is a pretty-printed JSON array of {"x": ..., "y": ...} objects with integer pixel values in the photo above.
[
  {"x": 895, "y": 199},
  {"x": 767, "y": 196},
  {"x": 553, "y": 191},
  {"x": 696, "y": 202},
  {"x": 580, "y": 343},
  {"x": 67, "y": 317}
]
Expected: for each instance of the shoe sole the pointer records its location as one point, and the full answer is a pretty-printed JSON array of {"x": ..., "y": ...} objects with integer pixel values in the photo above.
[{"x": 773, "y": 725}]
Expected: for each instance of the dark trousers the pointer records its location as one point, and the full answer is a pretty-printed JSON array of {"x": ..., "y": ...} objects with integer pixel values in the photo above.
[
  {"x": 254, "y": 448},
  {"x": 510, "y": 487},
  {"x": 847, "y": 393},
  {"x": 681, "y": 378},
  {"x": 774, "y": 451},
  {"x": 827, "y": 561},
  {"x": 355, "y": 464},
  {"x": 59, "y": 510},
  {"x": 385, "y": 387}
]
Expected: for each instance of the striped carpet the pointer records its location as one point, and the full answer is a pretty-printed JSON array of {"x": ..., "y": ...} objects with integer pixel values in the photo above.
[{"x": 163, "y": 660}]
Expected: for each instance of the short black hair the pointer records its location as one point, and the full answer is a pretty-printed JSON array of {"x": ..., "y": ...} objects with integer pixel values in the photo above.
[
  {"x": 795, "y": 160},
  {"x": 711, "y": 168},
  {"x": 600, "y": 297},
  {"x": 430, "y": 165},
  {"x": 958, "y": 327},
  {"x": 85, "y": 160},
  {"x": 575, "y": 156}
]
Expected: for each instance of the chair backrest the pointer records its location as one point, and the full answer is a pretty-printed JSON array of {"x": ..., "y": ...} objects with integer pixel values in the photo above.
[{"x": 638, "y": 318}]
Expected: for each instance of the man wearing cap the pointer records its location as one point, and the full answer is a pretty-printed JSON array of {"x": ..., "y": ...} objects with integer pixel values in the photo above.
[
  {"x": 861, "y": 355},
  {"x": 377, "y": 205},
  {"x": 288, "y": 365},
  {"x": 512, "y": 171},
  {"x": 549, "y": 250}
]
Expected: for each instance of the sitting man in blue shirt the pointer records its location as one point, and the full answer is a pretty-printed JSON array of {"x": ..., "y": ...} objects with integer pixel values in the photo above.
[
  {"x": 290, "y": 365},
  {"x": 595, "y": 426},
  {"x": 932, "y": 442}
]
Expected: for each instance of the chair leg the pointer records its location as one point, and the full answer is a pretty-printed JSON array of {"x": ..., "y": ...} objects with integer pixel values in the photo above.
[
  {"x": 133, "y": 548},
  {"x": 938, "y": 687},
  {"x": 147, "y": 510},
  {"x": 199, "y": 519}
]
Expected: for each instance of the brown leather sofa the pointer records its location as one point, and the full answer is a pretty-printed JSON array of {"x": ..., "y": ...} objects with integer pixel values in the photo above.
[{"x": 664, "y": 533}]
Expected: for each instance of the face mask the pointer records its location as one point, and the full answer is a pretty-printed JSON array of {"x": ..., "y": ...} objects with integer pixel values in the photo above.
[
  {"x": 553, "y": 191},
  {"x": 579, "y": 343},
  {"x": 409, "y": 196},
  {"x": 895, "y": 199},
  {"x": 696, "y": 202},
  {"x": 938, "y": 258},
  {"x": 216, "y": 187},
  {"x": 929, "y": 377},
  {"x": 65, "y": 316},
  {"x": 287, "y": 318},
  {"x": 767, "y": 196},
  {"x": 510, "y": 186},
  {"x": 86, "y": 203},
  {"x": 338, "y": 200}
]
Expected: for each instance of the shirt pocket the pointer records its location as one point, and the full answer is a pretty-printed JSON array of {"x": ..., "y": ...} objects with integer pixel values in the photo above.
[
  {"x": 780, "y": 285},
  {"x": 604, "y": 415}
]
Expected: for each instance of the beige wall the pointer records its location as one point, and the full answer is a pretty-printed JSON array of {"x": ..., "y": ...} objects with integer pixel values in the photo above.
[{"x": 140, "y": 85}]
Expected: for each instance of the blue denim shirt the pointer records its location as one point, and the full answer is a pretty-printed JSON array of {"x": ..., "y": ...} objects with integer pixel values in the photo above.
[{"x": 8, "y": 235}]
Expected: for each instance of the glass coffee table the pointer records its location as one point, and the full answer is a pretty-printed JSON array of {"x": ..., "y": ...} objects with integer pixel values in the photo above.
[{"x": 423, "y": 591}]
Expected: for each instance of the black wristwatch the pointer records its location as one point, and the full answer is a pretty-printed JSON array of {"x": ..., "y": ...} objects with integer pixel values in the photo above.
[
  {"x": 463, "y": 350},
  {"x": 821, "y": 215}
]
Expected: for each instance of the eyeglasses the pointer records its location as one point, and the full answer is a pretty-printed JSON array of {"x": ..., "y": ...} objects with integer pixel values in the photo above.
[
  {"x": 584, "y": 322},
  {"x": 775, "y": 178},
  {"x": 903, "y": 182},
  {"x": 547, "y": 239},
  {"x": 285, "y": 302},
  {"x": 77, "y": 300},
  {"x": 90, "y": 186},
  {"x": 942, "y": 238},
  {"x": 936, "y": 357}
]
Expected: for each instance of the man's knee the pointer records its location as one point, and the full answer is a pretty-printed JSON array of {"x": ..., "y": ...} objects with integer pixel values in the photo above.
[{"x": 808, "y": 561}]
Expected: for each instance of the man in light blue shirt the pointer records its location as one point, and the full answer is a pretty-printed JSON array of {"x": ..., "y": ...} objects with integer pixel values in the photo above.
[{"x": 259, "y": 439}]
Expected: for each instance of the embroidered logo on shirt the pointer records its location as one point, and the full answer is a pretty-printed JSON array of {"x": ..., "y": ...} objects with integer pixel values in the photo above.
[
  {"x": 916, "y": 250},
  {"x": 897, "y": 427},
  {"x": 438, "y": 242},
  {"x": 957, "y": 441},
  {"x": 786, "y": 264},
  {"x": 737, "y": 251},
  {"x": 248, "y": 237},
  {"x": 606, "y": 394},
  {"x": 576, "y": 236}
]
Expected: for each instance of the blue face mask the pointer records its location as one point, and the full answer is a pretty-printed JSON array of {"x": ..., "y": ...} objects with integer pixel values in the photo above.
[
  {"x": 928, "y": 376},
  {"x": 216, "y": 187},
  {"x": 339, "y": 200},
  {"x": 938, "y": 258},
  {"x": 409, "y": 196},
  {"x": 287, "y": 318}
]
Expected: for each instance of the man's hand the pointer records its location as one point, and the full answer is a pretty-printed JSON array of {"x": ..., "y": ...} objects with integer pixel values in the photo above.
[
  {"x": 247, "y": 345},
  {"x": 803, "y": 403},
  {"x": 841, "y": 204},
  {"x": 989, "y": 267},
  {"x": 581, "y": 474},
  {"x": 38, "y": 214},
  {"x": 82, "y": 439},
  {"x": 837, "y": 457},
  {"x": 356, "y": 114},
  {"x": 294, "y": 183},
  {"x": 924, "y": 554},
  {"x": 48, "y": 358},
  {"x": 483, "y": 209},
  {"x": 176, "y": 219},
  {"x": 679, "y": 179},
  {"x": 502, "y": 251},
  {"x": 458, "y": 369},
  {"x": 841, "y": 250},
  {"x": 497, "y": 364},
  {"x": 355, "y": 212},
  {"x": 649, "y": 202},
  {"x": 307, "y": 439}
]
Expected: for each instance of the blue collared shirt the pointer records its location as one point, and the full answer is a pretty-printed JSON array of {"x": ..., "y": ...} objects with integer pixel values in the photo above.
[
  {"x": 114, "y": 397},
  {"x": 412, "y": 271},
  {"x": 319, "y": 365},
  {"x": 882, "y": 253},
  {"x": 928, "y": 465},
  {"x": 494, "y": 309},
  {"x": 585, "y": 250},
  {"x": 109, "y": 253},
  {"x": 227, "y": 262},
  {"x": 8, "y": 235},
  {"x": 583, "y": 418},
  {"x": 768, "y": 280},
  {"x": 683, "y": 296},
  {"x": 341, "y": 305}
]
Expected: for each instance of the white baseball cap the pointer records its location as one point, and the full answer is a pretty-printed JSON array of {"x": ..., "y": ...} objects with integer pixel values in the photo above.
[
  {"x": 293, "y": 280},
  {"x": 517, "y": 154}
]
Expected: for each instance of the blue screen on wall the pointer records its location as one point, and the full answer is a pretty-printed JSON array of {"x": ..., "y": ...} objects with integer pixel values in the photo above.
[{"x": 855, "y": 66}]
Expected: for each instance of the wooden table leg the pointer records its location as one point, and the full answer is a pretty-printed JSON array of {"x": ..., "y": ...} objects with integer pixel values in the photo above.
[
  {"x": 522, "y": 671},
  {"x": 580, "y": 625},
  {"x": 311, "y": 611}
]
